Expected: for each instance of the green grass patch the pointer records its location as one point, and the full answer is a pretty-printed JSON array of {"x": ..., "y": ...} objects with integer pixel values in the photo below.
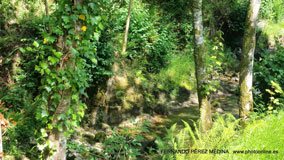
[
  {"x": 179, "y": 72},
  {"x": 259, "y": 137}
]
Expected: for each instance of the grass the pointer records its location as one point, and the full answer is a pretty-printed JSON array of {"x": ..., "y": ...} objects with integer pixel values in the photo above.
[
  {"x": 274, "y": 29},
  {"x": 262, "y": 134},
  {"x": 178, "y": 71}
]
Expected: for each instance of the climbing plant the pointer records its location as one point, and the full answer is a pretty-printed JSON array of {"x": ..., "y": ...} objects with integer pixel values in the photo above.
[{"x": 65, "y": 54}]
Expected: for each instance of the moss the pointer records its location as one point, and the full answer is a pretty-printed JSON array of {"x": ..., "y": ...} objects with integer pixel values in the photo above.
[
  {"x": 205, "y": 115},
  {"x": 121, "y": 82}
]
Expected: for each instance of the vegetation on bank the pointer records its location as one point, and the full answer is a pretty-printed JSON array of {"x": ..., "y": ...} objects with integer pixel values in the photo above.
[
  {"x": 227, "y": 140},
  {"x": 69, "y": 88}
]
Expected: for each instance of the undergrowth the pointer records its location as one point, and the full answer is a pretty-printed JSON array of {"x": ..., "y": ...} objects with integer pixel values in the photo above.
[{"x": 226, "y": 136}]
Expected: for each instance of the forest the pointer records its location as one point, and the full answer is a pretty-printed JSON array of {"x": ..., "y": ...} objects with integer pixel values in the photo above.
[{"x": 141, "y": 79}]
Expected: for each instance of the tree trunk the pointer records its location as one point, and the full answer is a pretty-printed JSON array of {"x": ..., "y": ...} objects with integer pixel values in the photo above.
[
  {"x": 124, "y": 44},
  {"x": 46, "y": 7},
  {"x": 247, "y": 58},
  {"x": 200, "y": 70},
  {"x": 56, "y": 137},
  {"x": 59, "y": 143}
]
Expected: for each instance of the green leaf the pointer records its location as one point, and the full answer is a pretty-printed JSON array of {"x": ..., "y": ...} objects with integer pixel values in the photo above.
[
  {"x": 22, "y": 50},
  {"x": 43, "y": 65},
  {"x": 74, "y": 116},
  {"x": 49, "y": 126},
  {"x": 48, "y": 89},
  {"x": 61, "y": 117},
  {"x": 101, "y": 26},
  {"x": 52, "y": 60},
  {"x": 48, "y": 71},
  {"x": 95, "y": 20},
  {"x": 75, "y": 97},
  {"x": 91, "y": 5},
  {"x": 68, "y": 42},
  {"x": 81, "y": 113},
  {"x": 44, "y": 113},
  {"x": 29, "y": 49},
  {"x": 74, "y": 51},
  {"x": 43, "y": 132},
  {"x": 65, "y": 19},
  {"x": 36, "y": 44},
  {"x": 50, "y": 39},
  {"x": 96, "y": 36},
  {"x": 58, "y": 54},
  {"x": 37, "y": 68},
  {"x": 60, "y": 127},
  {"x": 94, "y": 60}
]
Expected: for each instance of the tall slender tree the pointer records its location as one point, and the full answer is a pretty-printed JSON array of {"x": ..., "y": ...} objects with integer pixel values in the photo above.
[
  {"x": 46, "y": 7},
  {"x": 200, "y": 69},
  {"x": 247, "y": 58},
  {"x": 124, "y": 44}
]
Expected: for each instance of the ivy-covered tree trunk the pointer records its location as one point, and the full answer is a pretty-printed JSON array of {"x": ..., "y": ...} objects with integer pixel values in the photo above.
[
  {"x": 59, "y": 145},
  {"x": 200, "y": 69},
  {"x": 247, "y": 58},
  {"x": 57, "y": 138}
]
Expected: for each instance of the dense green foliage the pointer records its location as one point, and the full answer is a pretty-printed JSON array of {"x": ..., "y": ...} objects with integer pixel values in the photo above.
[
  {"x": 55, "y": 73},
  {"x": 269, "y": 81}
]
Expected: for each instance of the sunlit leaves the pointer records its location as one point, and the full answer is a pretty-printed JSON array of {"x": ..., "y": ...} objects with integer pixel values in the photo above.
[
  {"x": 42, "y": 68},
  {"x": 53, "y": 60},
  {"x": 45, "y": 41},
  {"x": 57, "y": 54}
]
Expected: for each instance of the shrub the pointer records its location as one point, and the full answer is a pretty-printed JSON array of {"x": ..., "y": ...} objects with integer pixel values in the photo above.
[{"x": 269, "y": 68}]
